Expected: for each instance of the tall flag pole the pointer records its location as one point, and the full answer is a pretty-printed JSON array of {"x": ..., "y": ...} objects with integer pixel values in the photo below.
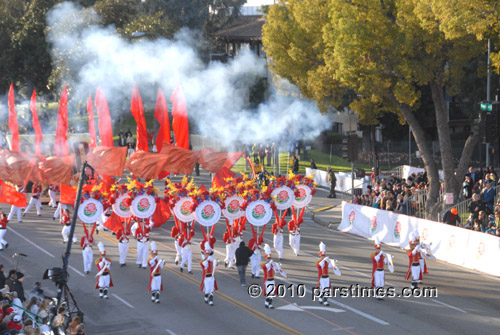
[
  {"x": 180, "y": 123},
  {"x": 104, "y": 124},
  {"x": 36, "y": 125},
  {"x": 90, "y": 112},
  {"x": 13, "y": 125},
  {"x": 161, "y": 115},
  {"x": 62, "y": 148},
  {"x": 137, "y": 110}
]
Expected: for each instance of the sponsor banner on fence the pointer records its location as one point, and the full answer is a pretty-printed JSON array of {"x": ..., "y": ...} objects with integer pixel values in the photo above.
[{"x": 459, "y": 246}]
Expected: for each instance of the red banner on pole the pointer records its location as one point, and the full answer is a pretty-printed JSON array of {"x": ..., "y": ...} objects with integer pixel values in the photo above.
[
  {"x": 161, "y": 115},
  {"x": 137, "y": 110},
  {"x": 62, "y": 148},
  {"x": 36, "y": 125},
  {"x": 90, "y": 112},
  {"x": 104, "y": 124},
  {"x": 180, "y": 123},
  {"x": 13, "y": 125}
]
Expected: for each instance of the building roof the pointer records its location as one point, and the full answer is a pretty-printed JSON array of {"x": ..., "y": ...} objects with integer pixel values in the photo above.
[{"x": 244, "y": 29}]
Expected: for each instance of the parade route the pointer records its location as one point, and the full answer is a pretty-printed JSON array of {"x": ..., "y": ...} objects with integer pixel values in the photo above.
[{"x": 466, "y": 302}]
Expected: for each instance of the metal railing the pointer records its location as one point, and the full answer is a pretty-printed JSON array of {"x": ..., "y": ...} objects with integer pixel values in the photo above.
[{"x": 463, "y": 206}]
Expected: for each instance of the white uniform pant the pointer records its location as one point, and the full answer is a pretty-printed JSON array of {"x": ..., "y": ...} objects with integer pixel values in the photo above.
[
  {"x": 156, "y": 284},
  {"x": 378, "y": 278},
  {"x": 229, "y": 260},
  {"x": 232, "y": 252},
  {"x": 104, "y": 281},
  {"x": 187, "y": 256},
  {"x": 178, "y": 250},
  {"x": 88, "y": 256},
  {"x": 37, "y": 203},
  {"x": 2, "y": 241},
  {"x": 278, "y": 244},
  {"x": 255, "y": 263},
  {"x": 270, "y": 288},
  {"x": 209, "y": 285},
  {"x": 65, "y": 233},
  {"x": 295, "y": 243},
  {"x": 58, "y": 209},
  {"x": 53, "y": 202},
  {"x": 15, "y": 210},
  {"x": 142, "y": 253},
  {"x": 415, "y": 272},
  {"x": 422, "y": 265},
  {"x": 123, "y": 249}
]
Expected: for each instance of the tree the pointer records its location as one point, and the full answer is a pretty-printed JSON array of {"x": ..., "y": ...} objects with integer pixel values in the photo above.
[{"x": 387, "y": 51}]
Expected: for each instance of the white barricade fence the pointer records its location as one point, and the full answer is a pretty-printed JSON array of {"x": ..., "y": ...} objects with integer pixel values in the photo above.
[
  {"x": 409, "y": 170},
  {"x": 473, "y": 250},
  {"x": 344, "y": 183}
]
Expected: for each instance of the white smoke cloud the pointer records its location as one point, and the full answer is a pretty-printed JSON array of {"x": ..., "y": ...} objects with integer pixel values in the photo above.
[{"x": 216, "y": 94}]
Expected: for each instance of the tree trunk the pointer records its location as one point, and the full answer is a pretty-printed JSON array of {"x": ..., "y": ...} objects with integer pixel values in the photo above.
[
  {"x": 450, "y": 181},
  {"x": 432, "y": 203}
]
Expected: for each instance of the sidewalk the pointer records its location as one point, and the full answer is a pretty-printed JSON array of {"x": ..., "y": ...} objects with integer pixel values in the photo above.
[{"x": 327, "y": 211}]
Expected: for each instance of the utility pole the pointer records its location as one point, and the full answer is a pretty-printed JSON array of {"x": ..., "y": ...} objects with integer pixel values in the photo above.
[{"x": 488, "y": 83}]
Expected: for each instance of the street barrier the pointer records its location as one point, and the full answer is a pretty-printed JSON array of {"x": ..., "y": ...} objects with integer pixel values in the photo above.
[{"x": 470, "y": 249}]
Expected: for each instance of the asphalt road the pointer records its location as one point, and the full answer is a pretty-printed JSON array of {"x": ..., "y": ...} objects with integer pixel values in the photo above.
[{"x": 467, "y": 302}]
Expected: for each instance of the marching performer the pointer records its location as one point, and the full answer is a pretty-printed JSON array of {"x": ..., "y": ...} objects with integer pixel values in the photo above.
[
  {"x": 36, "y": 199},
  {"x": 66, "y": 221},
  {"x": 294, "y": 237},
  {"x": 270, "y": 268},
  {"x": 185, "y": 244},
  {"x": 60, "y": 208},
  {"x": 414, "y": 254},
  {"x": 228, "y": 240},
  {"x": 141, "y": 230},
  {"x": 255, "y": 244},
  {"x": 425, "y": 253},
  {"x": 103, "y": 275},
  {"x": 324, "y": 284},
  {"x": 176, "y": 235},
  {"x": 86, "y": 243},
  {"x": 155, "y": 266},
  {"x": 52, "y": 194},
  {"x": 209, "y": 284},
  {"x": 123, "y": 237},
  {"x": 379, "y": 259},
  {"x": 16, "y": 210},
  {"x": 277, "y": 230},
  {"x": 3, "y": 230}
]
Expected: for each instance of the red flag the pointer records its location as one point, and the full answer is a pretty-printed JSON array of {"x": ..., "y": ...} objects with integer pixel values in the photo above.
[
  {"x": 90, "y": 112},
  {"x": 180, "y": 123},
  {"x": 113, "y": 223},
  {"x": 10, "y": 195},
  {"x": 68, "y": 194},
  {"x": 104, "y": 124},
  {"x": 138, "y": 112},
  {"x": 161, "y": 114},
  {"x": 13, "y": 126},
  {"x": 36, "y": 126},
  {"x": 251, "y": 166},
  {"x": 220, "y": 177},
  {"x": 162, "y": 213},
  {"x": 107, "y": 161},
  {"x": 62, "y": 148}
]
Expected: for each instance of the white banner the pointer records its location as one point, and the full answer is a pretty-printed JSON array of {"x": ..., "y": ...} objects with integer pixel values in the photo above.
[
  {"x": 459, "y": 246},
  {"x": 344, "y": 182}
]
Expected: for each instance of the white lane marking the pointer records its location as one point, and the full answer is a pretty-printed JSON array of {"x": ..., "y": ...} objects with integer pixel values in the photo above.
[
  {"x": 29, "y": 241},
  {"x": 297, "y": 308},
  {"x": 120, "y": 299},
  {"x": 452, "y": 307},
  {"x": 352, "y": 309},
  {"x": 170, "y": 332},
  {"x": 74, "y": 269}
]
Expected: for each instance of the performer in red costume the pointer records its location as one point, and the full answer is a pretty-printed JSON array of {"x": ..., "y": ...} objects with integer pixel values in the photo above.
[
  {"x": 86, "y": 244},
  {"x": 379, "y": 259},
  {"x": 209, "y": 284},
  {"x": 185, "y": 244},
  {"x": 323, "y": 264},
  {"x": 3, "y": 230},
  {"x": 103, "y": 275},
  {"x": 277, "y": 230},
  {"x": 414, "y": 254},
  {"x": 36, "y": 199},
  {"x": 294, "y": 237},
  {"x": 66, "y": 221},
  {"x": 123, "y": 237},
  {"x": 155, "y": 266},
  {"x": 176, "y": 235},
  {"x": 270, "y": 268}
]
